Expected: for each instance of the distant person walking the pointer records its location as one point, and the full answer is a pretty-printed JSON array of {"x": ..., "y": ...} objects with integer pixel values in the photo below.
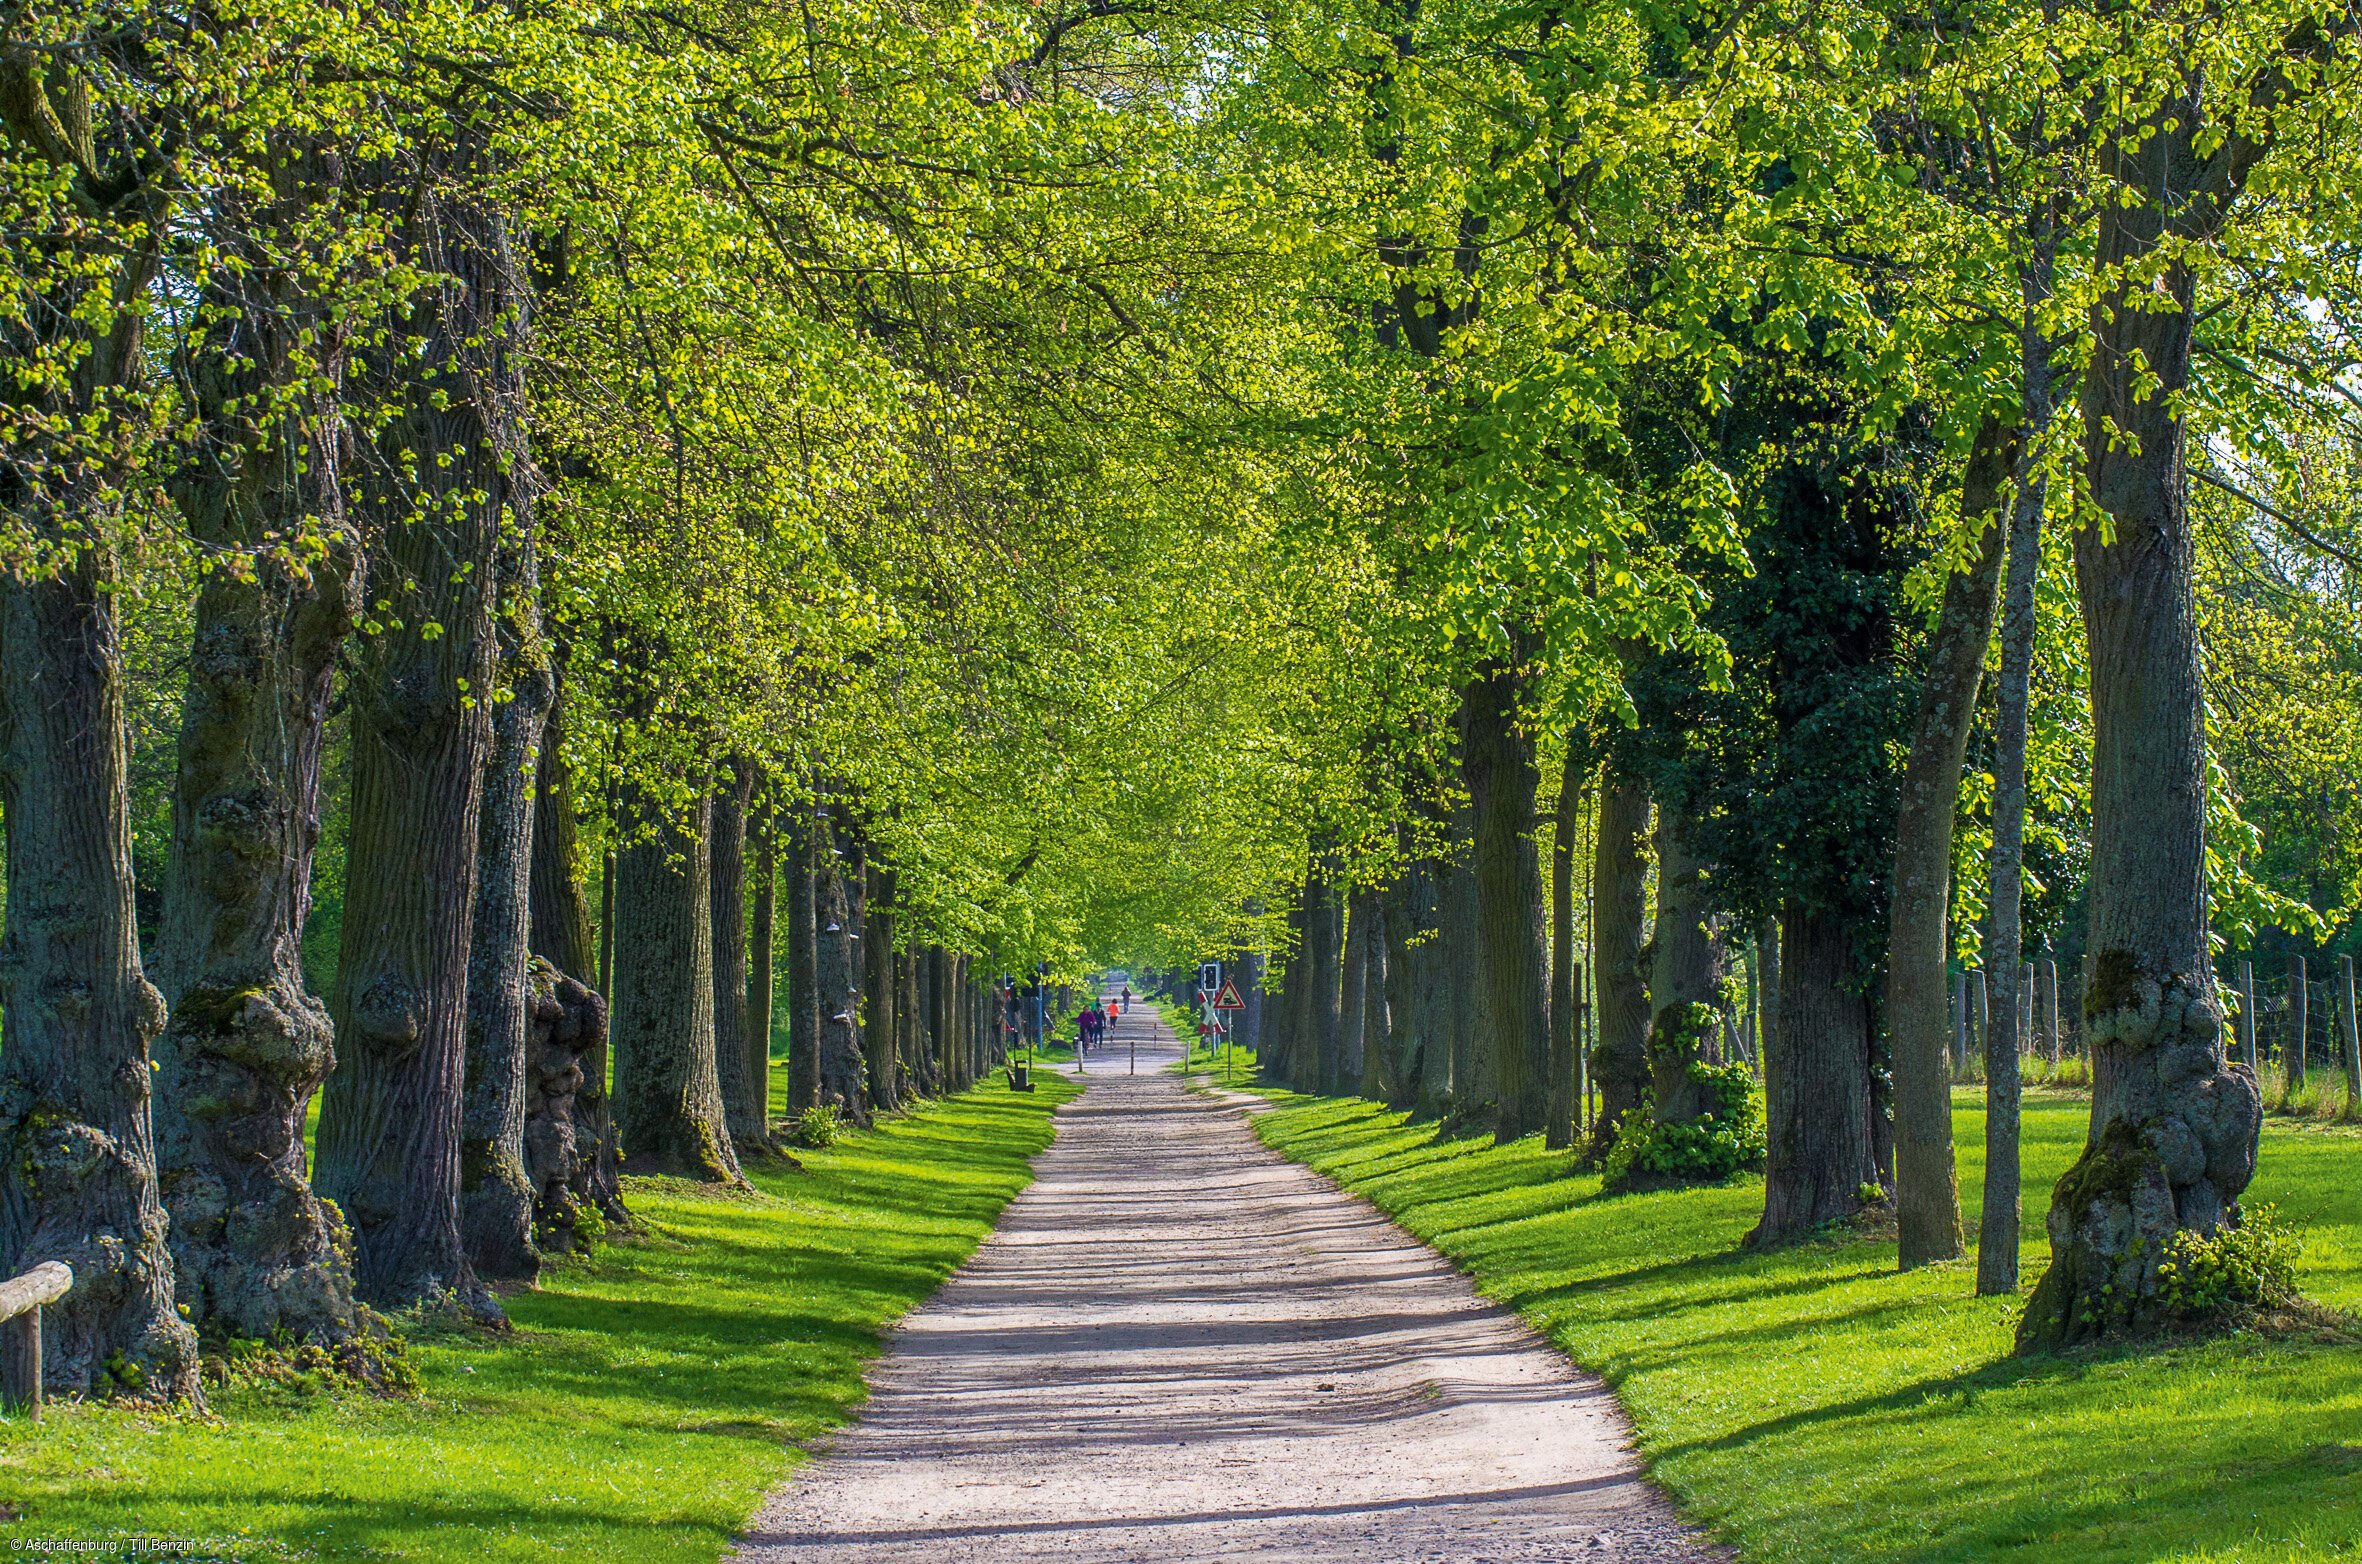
[{"x": 1127, "y": 999}]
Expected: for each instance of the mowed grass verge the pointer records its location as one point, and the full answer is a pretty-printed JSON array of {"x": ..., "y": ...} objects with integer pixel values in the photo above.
[
  {"x": 646, "y": 1400},
  {"x": 1815, "y": 1405}
]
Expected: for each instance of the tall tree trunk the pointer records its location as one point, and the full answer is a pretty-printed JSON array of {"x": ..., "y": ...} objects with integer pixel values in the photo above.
[
  {"x": 1285, "y": 1029},
  {"x": 1354, "y": 993},
  {"x": 742, "y": 1112},
  {"x": 1558, "y": 1129},
  {"x": 259, "y": 1255},
  {"x": 1918, "y": 984},
  {"x": 1816, "y": 1085},
  {"x": 1405, "y": 1027},
  {"x": 573, "y": 1155},
  {"x": 883, "y": 993},
  {"x": 1469, "y": 998},
  {"x": 762, "y": 945},
  {"x": 1497, "y": 761},
  {"x": 496, "y": 1194},
  {"x": 668, "y": 1098},
  {"x": 1325, "y": 980},
  {"x": 449, "y": 467},
  {"x": 1619, "y": 892},
  {"x": 2174, "y": 1130},
  {"x": 806, "y": 841},
  {"x": 1997, "y": 1236},
  {"x": 75, "y": 1076},
  {"x": 843, "y": 1062},
  {"x": 1687, "y": 963}
]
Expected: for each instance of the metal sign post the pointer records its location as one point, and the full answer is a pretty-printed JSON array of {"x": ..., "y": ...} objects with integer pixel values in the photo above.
[{"x": 1219, "y": 1008}]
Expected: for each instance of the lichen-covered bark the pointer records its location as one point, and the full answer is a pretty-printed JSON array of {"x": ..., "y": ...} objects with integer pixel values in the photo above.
[
  {"x": 565, "y": 1042},
  {"x": 561, "y": 934},
  {"x": 668, "y": 1102},
  {"x": 76, "y": 1140},
  {"x": 447, "y": 468},
  {"x": 2174, "y": 1128},
  {"x": 258, "y": 1254},
  {"x": 495, "y": 1193},
  {"x": 1619, "y": 890},
  {"x": 74, "y": 1078},
  {"x": 1927, "y": 1183}
]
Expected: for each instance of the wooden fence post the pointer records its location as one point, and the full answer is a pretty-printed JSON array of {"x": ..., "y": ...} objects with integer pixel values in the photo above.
[
  {"x": 21, "y": 1299},
  {"x": 2351, "y": 1038},
  {"x": 2293, "y": 1051},
  {"x": 2046, "y": 1008},
  {"x": 2247, "y": 1014}
]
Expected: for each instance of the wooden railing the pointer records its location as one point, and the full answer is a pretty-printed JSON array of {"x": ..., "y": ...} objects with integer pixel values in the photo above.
[{"x": 21, "y": 1300}]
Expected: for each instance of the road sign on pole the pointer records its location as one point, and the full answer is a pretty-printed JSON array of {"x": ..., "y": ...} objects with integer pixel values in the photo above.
[{"x": 1228, "y": 999}]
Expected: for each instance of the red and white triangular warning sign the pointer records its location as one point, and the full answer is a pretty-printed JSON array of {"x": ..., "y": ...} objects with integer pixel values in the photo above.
[{"x": 1228, "y": 999}]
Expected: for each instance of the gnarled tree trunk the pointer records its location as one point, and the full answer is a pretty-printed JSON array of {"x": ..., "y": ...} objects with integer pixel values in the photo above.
[
  {"x": 75, "y": 1077},
  {"x": 2174, "y": 1128},
  {"x": 495, "y": 1192},
  {"x": 668, "y": 1101},
  {"x": 561, "y": 935},
  {"x": 1918, "y": 996},
  {"x": 448, "y": 468},
  {"x": 259, "y": 1255}
]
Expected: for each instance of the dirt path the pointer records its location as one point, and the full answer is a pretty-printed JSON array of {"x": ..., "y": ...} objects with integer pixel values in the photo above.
[{"x": 1179, "y": 1346}]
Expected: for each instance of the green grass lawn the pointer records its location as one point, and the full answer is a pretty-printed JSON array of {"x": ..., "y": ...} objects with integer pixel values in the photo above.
[
  {"x": 1815, "y": 1405},
  {"x": 645, "y": 1401}
]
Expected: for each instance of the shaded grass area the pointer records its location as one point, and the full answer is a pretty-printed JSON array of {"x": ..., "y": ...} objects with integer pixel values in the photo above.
[
  {"x": 1813, "y": 1404},
  {"x": 646, "y": 1400}
]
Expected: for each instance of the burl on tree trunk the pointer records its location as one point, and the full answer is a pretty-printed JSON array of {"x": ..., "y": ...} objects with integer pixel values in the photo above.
[
  {"x": 2174, "y": 1129},
  {"x": 259, "y": 1255},
  {"x": 566, "y": 1039},
  {"x": 74, "y": 1077}
]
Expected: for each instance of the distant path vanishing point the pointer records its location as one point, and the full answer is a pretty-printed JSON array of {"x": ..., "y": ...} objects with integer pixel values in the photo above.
[{"x": 1180, "y": 1346}]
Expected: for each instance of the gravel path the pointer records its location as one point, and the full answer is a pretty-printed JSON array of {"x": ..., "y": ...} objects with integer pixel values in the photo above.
[{"x": 1178, "y": 1346}]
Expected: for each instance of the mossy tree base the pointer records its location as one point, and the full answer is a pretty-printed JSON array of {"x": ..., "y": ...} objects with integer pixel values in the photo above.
[{"x": 2174, "y": 1139}]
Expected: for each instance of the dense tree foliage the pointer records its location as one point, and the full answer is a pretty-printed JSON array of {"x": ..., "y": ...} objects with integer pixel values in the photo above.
[{"x": 503, "y": 509}]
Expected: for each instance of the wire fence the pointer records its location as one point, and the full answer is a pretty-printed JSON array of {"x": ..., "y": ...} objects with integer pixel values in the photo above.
[{"x": 2296, "y": 1024}]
